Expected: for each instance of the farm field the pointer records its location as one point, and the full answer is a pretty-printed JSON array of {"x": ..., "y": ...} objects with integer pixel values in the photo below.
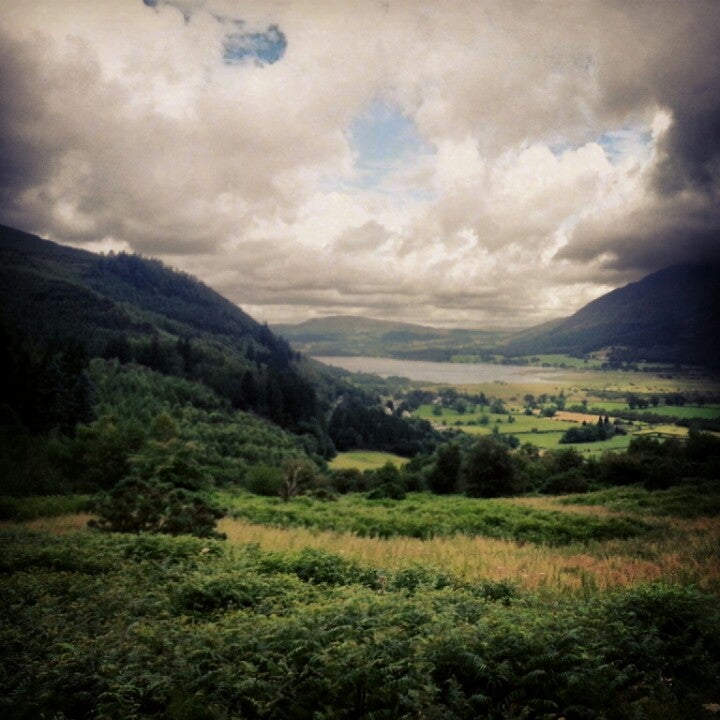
[
  {"x": 584, "y": 603},
  {"x": 365, "y": 460},
  {"x": 687, "y": 412},
  {"x": 578, "y": 388},
  {"x": 544, "y": 433}
]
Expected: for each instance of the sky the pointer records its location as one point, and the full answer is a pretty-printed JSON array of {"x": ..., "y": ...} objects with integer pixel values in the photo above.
[{"x": 478, "y": 163}]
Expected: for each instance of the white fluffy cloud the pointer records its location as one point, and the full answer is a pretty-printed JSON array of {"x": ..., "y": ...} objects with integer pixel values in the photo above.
[{"x": 533, "y": 155}]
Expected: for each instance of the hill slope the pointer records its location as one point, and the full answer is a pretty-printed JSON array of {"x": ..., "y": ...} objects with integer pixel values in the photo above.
[
  {"x": 672, "y": 315},
  {"x": 134, "y": 309}
]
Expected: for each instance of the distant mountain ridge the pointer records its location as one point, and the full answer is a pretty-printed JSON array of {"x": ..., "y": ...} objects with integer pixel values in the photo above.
[
  {"x": 672, "y": 315},
  {"x": 358, "y": 335}
]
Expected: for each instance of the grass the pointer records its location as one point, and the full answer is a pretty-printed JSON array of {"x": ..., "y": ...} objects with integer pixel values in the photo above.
[
  {"x": 567, "y": 361},
  {"x": 689, "y": 500},
  {"x": 521, "y": 422},
  {"x": 685, "y": 549},
  {"x": 664, "y": 431},
  {"x": 544, "y": 433},
  {"x": 425, "y": 516},
  {"x": 365, "y": 460},
  {"x": 685, "y": 553},
  {"x": 29, "y": 508},
  {"x": 683, "y": 412}
]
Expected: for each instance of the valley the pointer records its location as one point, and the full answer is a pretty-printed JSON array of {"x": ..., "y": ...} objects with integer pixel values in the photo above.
[{"x": 198, "y": 520}]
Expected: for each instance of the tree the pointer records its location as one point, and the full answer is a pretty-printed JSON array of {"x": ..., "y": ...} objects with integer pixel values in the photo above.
[
  {"x": 488, "y": 470},
  {"x": 388, "y": 483},
  {"x": 298, "y": 475},
  {"x": 99, "y": 454},
  {"x": 445, "y": 476}
]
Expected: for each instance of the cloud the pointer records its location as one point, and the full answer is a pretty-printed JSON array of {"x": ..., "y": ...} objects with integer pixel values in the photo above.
[
  {"x": 463, "y": 164},
  {"x": 366, "y": 238}
]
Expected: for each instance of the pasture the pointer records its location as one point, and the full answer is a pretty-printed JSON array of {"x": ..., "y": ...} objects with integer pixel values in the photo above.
[{"x": 365, "y": 460}]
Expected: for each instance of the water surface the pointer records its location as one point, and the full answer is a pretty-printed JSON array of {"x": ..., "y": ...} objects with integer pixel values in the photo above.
[{"x": 443, "y": 372}]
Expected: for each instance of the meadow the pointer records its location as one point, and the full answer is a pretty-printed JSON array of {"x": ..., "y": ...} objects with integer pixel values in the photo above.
[
  {"x": 595, "y": 606},
  {"x": 583, "y": 385}
]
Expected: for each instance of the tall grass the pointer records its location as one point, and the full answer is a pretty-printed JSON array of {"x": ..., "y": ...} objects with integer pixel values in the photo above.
[
  {"x": 689, "y": 553},
  {"x": 29, "y": 508}
]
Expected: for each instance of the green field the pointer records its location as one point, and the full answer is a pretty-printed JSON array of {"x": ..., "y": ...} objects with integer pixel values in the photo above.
[
  {"x": 685, "y": 412},
  {"x": 567, "y": 361},
  {"x": 365, "y": 460},
  {"x": 544, "y": 433}
]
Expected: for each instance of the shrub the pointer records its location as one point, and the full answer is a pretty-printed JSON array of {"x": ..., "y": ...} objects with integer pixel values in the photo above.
[
  {"x": 136, "y": 505},
  {"x": 348, "y": 480},
  {"x": 387, "y": 491},
  {"x": 570, "y": 481},
  {"x": 264, "y": 480}
]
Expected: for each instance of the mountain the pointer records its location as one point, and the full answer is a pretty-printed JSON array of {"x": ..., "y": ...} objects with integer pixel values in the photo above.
[
  {"x": 357, "y": 335},
  {"x": 672, "y": 315},
  {"x": 56, "y": 299}
]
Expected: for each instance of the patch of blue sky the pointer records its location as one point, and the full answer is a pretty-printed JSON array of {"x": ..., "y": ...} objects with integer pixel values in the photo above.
[
  {"x": 384, "y": 142},
  {"x": 264, "y": 48},
  {"x": 618, "y": 144},
  {"x": 239, "y": 46},
  {"x": 625, "y": 142}
]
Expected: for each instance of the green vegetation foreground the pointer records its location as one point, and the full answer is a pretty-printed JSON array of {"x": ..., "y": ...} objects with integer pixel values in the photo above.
[{"x": 125, "y": 626}]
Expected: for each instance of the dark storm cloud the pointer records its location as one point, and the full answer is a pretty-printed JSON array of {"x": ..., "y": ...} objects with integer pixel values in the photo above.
[
  {"x": 675, "y": 67},
  {"x": 687, "y": 80},
  {"x": 24, "y": 151},
  {"x": 683, "y": 228}
]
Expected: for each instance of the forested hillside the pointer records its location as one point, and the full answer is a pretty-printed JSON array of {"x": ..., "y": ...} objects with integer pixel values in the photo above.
[
  {"x": 354, "y": 335},
  {"x": 61, "y": 306},
  {"x": 116, "y": 366}
]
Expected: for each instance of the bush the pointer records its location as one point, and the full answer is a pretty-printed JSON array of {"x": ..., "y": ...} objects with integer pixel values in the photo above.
[
  {"x": 349, "y": 480},
  {"x": 264, "y": 480},
  {"x": 387, "y": 491},
  {"x": 136, "y": 505},
  {"x": 570, "y": 481}
]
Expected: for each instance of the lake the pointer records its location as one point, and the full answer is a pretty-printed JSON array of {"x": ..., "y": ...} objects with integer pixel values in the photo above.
[{"x": 440, "y": 372}]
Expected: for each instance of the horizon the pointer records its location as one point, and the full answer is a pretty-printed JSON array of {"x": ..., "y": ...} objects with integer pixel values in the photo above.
[{"x": 484, "y": 166}]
